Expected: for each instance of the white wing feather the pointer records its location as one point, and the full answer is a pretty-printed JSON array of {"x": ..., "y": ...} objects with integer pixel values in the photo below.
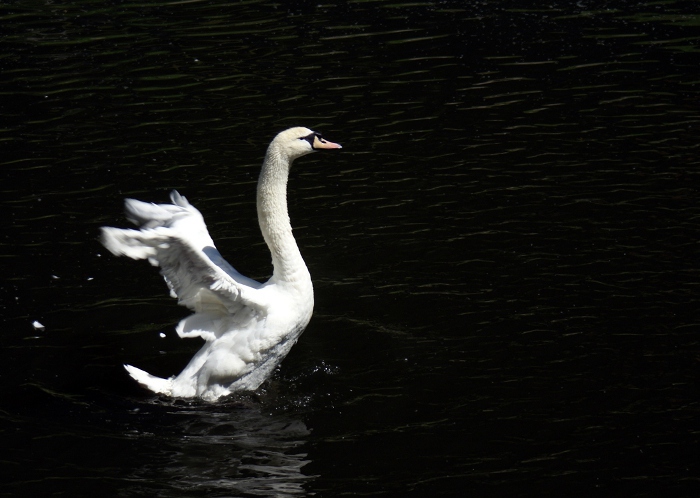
[{"x": 175, "y": 238}]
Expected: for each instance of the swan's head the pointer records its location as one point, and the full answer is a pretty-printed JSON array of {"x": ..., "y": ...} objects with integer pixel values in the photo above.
[{"x": 299, "y": 141}]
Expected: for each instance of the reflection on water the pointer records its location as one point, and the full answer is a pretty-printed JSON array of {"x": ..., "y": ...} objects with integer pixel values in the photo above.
[
  {"x": 231, "y": 448},
  {"x": 504, "y": 254},
  {"x": 114, "y": 446}
]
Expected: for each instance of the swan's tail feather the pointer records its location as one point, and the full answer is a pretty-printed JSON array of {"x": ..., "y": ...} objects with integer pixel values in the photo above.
[{"x": 155, "y": 384}]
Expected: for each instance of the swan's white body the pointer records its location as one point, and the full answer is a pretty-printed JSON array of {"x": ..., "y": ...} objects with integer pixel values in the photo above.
[{"x": 248, "y": 326}]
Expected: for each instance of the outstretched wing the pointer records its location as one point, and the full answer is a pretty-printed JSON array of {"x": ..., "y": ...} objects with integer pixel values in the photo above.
[{"x": 175, "y": 238}]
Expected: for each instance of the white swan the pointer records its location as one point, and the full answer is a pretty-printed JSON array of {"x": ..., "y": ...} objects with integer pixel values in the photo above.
[{"x": 248, "y": 326}]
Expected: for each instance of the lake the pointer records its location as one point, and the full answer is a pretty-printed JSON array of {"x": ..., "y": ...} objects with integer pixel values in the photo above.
[{"x": 504, "y": 253}]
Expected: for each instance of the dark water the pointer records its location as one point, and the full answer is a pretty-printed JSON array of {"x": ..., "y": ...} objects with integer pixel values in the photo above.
[{"x": 505, "y": 253}]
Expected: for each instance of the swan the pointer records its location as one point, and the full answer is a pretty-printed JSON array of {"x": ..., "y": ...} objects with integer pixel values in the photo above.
[{"x": 248, "y": 327}]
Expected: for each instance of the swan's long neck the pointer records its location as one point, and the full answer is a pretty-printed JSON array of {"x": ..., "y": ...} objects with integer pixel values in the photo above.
[{"x": 274, "y": 219}]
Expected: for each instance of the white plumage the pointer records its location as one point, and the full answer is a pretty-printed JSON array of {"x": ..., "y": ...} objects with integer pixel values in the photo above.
[{"x": 248, "y": 327}]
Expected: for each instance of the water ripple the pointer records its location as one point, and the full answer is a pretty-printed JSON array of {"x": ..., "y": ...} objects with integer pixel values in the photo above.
[{"x": 503, "y": 253}]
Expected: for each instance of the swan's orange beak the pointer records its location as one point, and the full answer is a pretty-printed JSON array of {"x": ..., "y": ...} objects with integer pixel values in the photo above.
[{"x": 320, "y": 143}]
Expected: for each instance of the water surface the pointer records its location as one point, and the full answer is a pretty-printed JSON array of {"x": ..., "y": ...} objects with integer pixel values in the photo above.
[{"x": 504, "y": 253}]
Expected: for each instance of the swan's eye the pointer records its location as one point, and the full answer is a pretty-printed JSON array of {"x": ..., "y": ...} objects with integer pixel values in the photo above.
[{"x": 310, "y": 138}]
